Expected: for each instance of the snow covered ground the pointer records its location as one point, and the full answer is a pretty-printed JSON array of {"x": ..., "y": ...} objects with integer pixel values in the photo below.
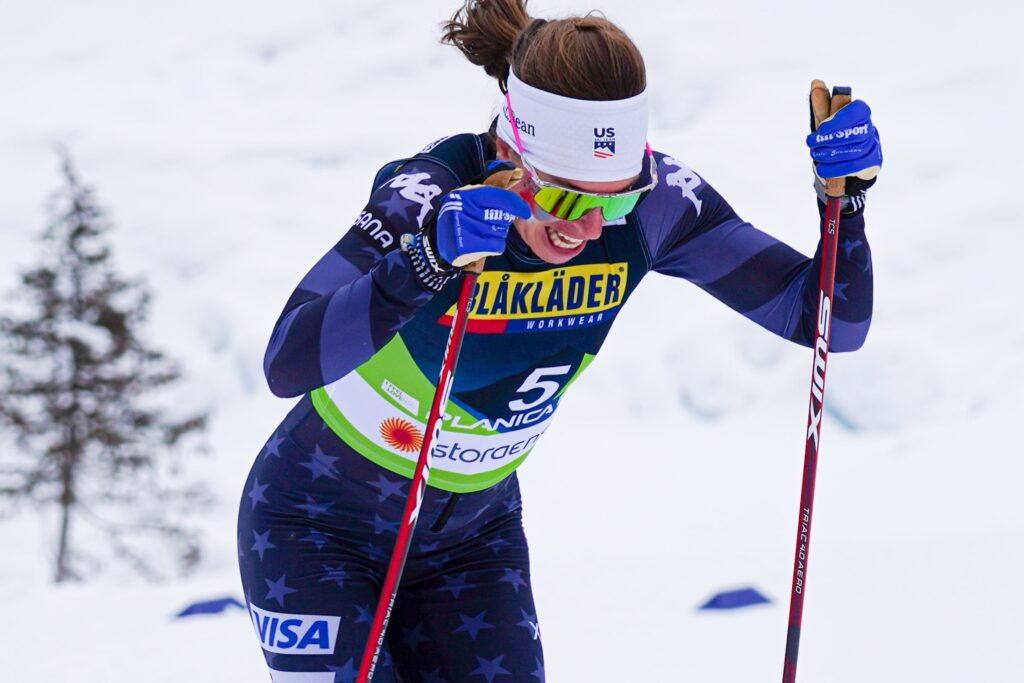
[{"x": 235, "y": 141}]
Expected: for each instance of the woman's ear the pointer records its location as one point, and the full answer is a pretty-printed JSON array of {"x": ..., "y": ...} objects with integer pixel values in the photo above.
[
  {"x": 505, "y": 152},
  {"x": 503, "y": 149}
]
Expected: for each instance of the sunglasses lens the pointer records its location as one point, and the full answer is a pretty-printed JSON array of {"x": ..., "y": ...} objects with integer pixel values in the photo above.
[
  {"x": 556, "y": 202},
  {"x": 612, "y": 208},
  {"x": 584, "y": 204},
  {"x": 569, "y": 206},
  {"x": 621, "y": 206}
]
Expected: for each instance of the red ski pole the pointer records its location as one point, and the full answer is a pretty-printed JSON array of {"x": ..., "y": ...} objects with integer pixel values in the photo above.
[
  {"x": 389, "y": 590},
  {"x": 835, "y": 188}
]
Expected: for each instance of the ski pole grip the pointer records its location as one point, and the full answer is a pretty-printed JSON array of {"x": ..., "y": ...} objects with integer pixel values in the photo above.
[
  {"x": 841, "y": 96},
  {"x": 823, "y": 107},
  {"x": 506, "y": 180},
  {"x": 476, "y": 266}
]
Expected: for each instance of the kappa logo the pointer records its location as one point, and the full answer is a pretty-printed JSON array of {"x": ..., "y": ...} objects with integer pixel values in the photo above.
[
  {"x": 685, "y": 179},
  {"x": 415, "y": 188},
  {"x": 295, "y": 634},
  {"x": 604, "y": 143}
]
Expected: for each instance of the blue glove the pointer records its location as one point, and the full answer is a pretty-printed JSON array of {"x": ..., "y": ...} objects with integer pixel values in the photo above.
[
  {"x": 847, "y": 144},
  {"x": 471, "y": 224}
]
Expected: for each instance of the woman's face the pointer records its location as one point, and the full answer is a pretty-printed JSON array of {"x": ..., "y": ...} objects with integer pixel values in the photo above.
[{"x": 554, "y": 240}]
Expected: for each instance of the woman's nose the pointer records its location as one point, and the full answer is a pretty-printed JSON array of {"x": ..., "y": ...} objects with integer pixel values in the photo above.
[{"x": 590, "y": 223}]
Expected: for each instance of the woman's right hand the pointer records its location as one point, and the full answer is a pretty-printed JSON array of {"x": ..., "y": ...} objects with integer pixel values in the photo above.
[{"x": 473, "y": 223}]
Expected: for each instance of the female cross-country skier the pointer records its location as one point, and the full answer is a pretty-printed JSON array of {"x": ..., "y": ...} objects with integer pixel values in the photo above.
[{"x": 362, "y": 337}]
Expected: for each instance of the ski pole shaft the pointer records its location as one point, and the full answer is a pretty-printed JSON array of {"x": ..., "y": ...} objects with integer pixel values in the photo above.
[
  {"x": 418, "y": 488},
  {"x": 834, "y": 189}
]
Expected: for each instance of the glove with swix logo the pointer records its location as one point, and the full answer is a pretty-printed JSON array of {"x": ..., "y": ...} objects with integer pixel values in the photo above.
[
  {"x": 472, "y": 223},
  {"x": 846, "y": 144}
]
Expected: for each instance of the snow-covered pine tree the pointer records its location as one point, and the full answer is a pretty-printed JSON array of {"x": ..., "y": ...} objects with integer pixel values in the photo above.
[{"x": 77, "y": 391}]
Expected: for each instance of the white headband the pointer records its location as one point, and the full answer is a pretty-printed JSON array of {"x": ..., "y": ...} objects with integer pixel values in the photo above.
[{"x": 592, "y": 140}]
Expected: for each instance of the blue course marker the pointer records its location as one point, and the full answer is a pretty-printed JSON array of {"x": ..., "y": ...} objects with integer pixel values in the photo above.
[
  {"x": 210, "y": 607},
  {"x": 735, "y": 599}
]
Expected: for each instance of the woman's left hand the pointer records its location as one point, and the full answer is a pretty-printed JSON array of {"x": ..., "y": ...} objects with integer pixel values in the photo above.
[{"x": 847, "y": 144}]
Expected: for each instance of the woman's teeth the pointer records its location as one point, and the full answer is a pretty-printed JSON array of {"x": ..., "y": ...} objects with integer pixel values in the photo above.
[{"x": 560, "y": 240}]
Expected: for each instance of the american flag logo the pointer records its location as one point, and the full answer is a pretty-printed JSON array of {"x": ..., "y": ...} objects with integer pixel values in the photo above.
[{"x": 604, "y": 143}]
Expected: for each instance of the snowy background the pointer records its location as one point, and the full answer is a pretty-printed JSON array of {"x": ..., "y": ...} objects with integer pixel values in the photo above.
[{"x": 235, "y": 141}]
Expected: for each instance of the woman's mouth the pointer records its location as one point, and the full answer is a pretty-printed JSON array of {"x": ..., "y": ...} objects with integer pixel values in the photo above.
[{"x": 562, "y": 240}]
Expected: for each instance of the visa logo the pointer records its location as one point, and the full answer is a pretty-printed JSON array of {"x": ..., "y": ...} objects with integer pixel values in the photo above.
[{"x": 295, "y": 634}]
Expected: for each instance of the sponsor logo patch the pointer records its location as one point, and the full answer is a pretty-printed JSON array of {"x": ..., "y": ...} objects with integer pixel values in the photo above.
[
  {"x": 845, "y": 134},
  {"x": 498, "y": 216},
  {"x": 400, "y": 397},
  {"x": 560, "y": 298},
  {"x": 373, "y": 227},
  {"x": 401, "y": 435},
  {"x": 524, "y": 127},
  {"x": 295, "y": 634},
  {"x": 457, "y": 452}
]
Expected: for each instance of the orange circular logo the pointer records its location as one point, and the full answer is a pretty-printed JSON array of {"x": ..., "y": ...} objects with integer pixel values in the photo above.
[{"x": 401, "y": 435}]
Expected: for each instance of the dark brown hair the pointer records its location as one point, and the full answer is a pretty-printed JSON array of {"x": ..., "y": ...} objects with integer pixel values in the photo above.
[{"x": 586, "y": 58}]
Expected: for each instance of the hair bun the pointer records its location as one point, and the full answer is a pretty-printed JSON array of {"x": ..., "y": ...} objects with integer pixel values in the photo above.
[
  {"x": 586, "y": 58},
  {"x": 485, "y": 32}
]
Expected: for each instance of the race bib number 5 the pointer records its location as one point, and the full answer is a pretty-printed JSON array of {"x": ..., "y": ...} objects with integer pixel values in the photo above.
[{"x": 535, "y": 382}]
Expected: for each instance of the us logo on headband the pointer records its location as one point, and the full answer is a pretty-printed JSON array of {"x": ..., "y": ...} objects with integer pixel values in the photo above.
[
  {"x": 604, "y": 143},
  {"x": 585, "y": 140}
]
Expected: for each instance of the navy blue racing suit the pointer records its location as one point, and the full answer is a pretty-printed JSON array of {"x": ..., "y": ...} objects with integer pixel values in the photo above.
[{"x": 361, "y": 341}]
